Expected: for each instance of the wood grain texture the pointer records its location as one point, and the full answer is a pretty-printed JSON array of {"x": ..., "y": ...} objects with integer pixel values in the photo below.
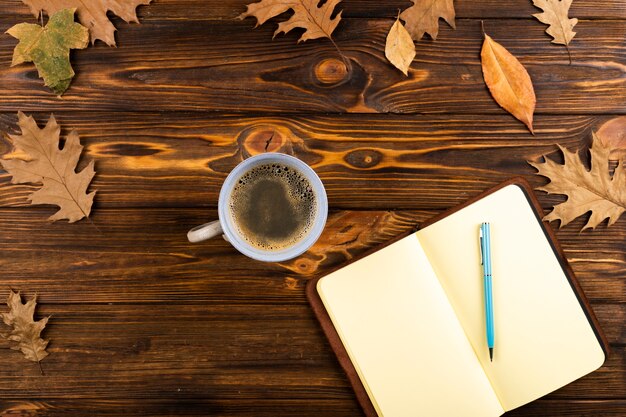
[
  {"x": 163, "y": 65},
  {"x": 146, "y": 324},
  {"x": 141, "y": 255},
  {"x": 228, "y": 9},
  {"x": 239, "y": 352},
  {"x": 432, "y": 162},
  {"x": 174, "y": 407}
]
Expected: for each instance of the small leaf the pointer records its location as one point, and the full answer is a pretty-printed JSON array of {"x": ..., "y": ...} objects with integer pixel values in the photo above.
[
  {"x": 423, "y": 17},
  {"x": 92, "y": 14},
  {"x": 52, "y": 167},
  {"x": 306, "y": 14},
  {"x": 399, "y": 48},
  {"x": 49, "y": 47},
  {"x": 593, "y": 190},
  {"x": 555, "y": 15},
  {"x": 613, "y": 135},
  {"x": 508, "y": 81},
  {"x": 24, "y": 330}
]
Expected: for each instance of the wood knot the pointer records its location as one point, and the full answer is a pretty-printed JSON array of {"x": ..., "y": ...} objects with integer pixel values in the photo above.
[
  {"x": 364, "y": 158},
  {"x": 330, "y": 71},
  {"x": 291, "y": 283},
  {"x": 305, "y": 266},
  {"x": 266, "y": 138}
]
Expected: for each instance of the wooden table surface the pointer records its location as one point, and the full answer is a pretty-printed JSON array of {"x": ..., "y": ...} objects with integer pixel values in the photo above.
[{"x": 144, "y": 323}]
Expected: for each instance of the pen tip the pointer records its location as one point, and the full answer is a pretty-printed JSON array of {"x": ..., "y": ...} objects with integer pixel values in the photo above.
[{"x": 491, "y": 354}]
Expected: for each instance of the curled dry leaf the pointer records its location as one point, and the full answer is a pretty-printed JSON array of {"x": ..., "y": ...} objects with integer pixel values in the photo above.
[
  {"x": 594, "y": 190},
  {"x": 315, "y": 20},
  {"x": 423, "y": 17},
  {"x": 92, "y": 14},
  {"x": 555, "y": 15},
  {"x": 49, "y": 47},
  {"x": 612, "y": 134},
  {"x": 508, "y": 81},
  {"x": 25, "y": 331},
  {"x": 399, "y": 48},
  {"x": 52, "y": 167}
]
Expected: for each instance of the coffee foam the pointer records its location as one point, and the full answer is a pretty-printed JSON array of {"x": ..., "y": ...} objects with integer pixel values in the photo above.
[{"x": 298, "y": 191}]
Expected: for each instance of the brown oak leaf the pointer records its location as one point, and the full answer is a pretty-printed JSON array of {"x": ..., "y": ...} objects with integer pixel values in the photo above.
[
  {"x": 423, "y": 17},
  {"x": 41, "y": 161},
  {"x": 399, "y": 47},
  {"x": 316, "y": 20},
  {"x": 508, "y": 81},
  {"x": 92, "y": 14},
  {"x": 555, "y": 15},
  {"x": 594, "y": 190},
  {"x": 24, "y": 329}
]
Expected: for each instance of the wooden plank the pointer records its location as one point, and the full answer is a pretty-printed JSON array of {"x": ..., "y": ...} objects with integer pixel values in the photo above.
[
  {"x": 229, "y": 9},
  {"x": 227, "y": 66},
  {"x": 202, "y": 406},
  {"x": 225, "y": 352},
  {"x": 365, "y": 161},
  {"x": 142, "y": 255}
]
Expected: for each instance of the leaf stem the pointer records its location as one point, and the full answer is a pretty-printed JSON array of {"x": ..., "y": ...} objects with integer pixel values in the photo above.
[
  {"x": 569, "y": 54},
  {"x": 344, "y": 58}
]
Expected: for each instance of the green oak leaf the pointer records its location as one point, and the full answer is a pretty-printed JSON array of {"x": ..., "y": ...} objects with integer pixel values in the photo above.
[{"x": 49, "y": 47}]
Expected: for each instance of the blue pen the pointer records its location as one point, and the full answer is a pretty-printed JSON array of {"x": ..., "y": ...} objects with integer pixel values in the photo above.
[{"x": 485, "y": 260}]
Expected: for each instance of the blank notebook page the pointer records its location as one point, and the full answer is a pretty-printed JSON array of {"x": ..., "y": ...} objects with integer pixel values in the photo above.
[
  {"x": 543, "y": 339},
  {"x": 403, "y": 337}
]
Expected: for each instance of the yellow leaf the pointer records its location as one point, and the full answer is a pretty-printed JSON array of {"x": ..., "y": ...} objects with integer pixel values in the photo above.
[
  {"x": 52, "y": 167},
  {"x": 399, "y": 48},
  {"x": 92, "y": 14},
  {"x": 555, "y": 15},
  {"x": 508, "y": 81},
  {"x": 593, "y": 190},
  {"x": 306, "y": 14},
  {"x": 423, "y": 17},
  {"x": 24, "y": 330}
]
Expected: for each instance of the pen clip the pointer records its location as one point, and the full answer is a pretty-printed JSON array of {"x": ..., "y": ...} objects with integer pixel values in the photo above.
[{"x": 480, "y": 243}]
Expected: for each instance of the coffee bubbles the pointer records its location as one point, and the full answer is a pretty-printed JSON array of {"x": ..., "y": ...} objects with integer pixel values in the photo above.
[{"x": 273, "y": 206}]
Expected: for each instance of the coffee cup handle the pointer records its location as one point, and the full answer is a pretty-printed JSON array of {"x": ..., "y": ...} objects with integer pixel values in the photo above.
[{"x": 205, "y": 231}]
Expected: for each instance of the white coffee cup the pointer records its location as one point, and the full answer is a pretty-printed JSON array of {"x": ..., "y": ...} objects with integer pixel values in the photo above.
[{"x": 226, "y": 227}]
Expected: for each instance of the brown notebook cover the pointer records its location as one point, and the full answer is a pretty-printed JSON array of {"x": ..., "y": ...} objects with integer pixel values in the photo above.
[{"x": 333, "y": 336}]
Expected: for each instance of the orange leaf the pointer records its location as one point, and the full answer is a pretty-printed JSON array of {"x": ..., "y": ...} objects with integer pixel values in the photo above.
[
  {"x": 399, "y": 48},
  {"x": 508, "y": 81},
  {"x": 613, "y": 135}
]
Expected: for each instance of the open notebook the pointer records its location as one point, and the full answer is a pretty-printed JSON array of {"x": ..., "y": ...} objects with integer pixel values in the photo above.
[{"x": 410, "y": 316}]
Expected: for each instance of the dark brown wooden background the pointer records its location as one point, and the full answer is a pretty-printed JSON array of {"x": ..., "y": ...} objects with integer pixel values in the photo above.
[{"x": 145, "y": 323}]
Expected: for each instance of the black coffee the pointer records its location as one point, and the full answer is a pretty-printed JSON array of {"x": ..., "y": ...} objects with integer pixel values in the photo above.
[{"x": 273, "y": 206}]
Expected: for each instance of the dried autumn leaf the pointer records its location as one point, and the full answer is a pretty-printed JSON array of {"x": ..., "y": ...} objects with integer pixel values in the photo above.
[
  {"x": 49, "y": 47},
  {"x": 24, "y": 330},
  {"x": 613, "y": 135},
  {"x": 306, "y": 14},
  {"x": 423, "y": 17},
  {"x": 508, "y": 81},
  {"x": 399, "y": 48},
  {"x": 92, "y": 14},
  {"x": 555, "y": 15},
  {"x": 52, "y": 167},
  {"x": 592, "y": 190}
]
